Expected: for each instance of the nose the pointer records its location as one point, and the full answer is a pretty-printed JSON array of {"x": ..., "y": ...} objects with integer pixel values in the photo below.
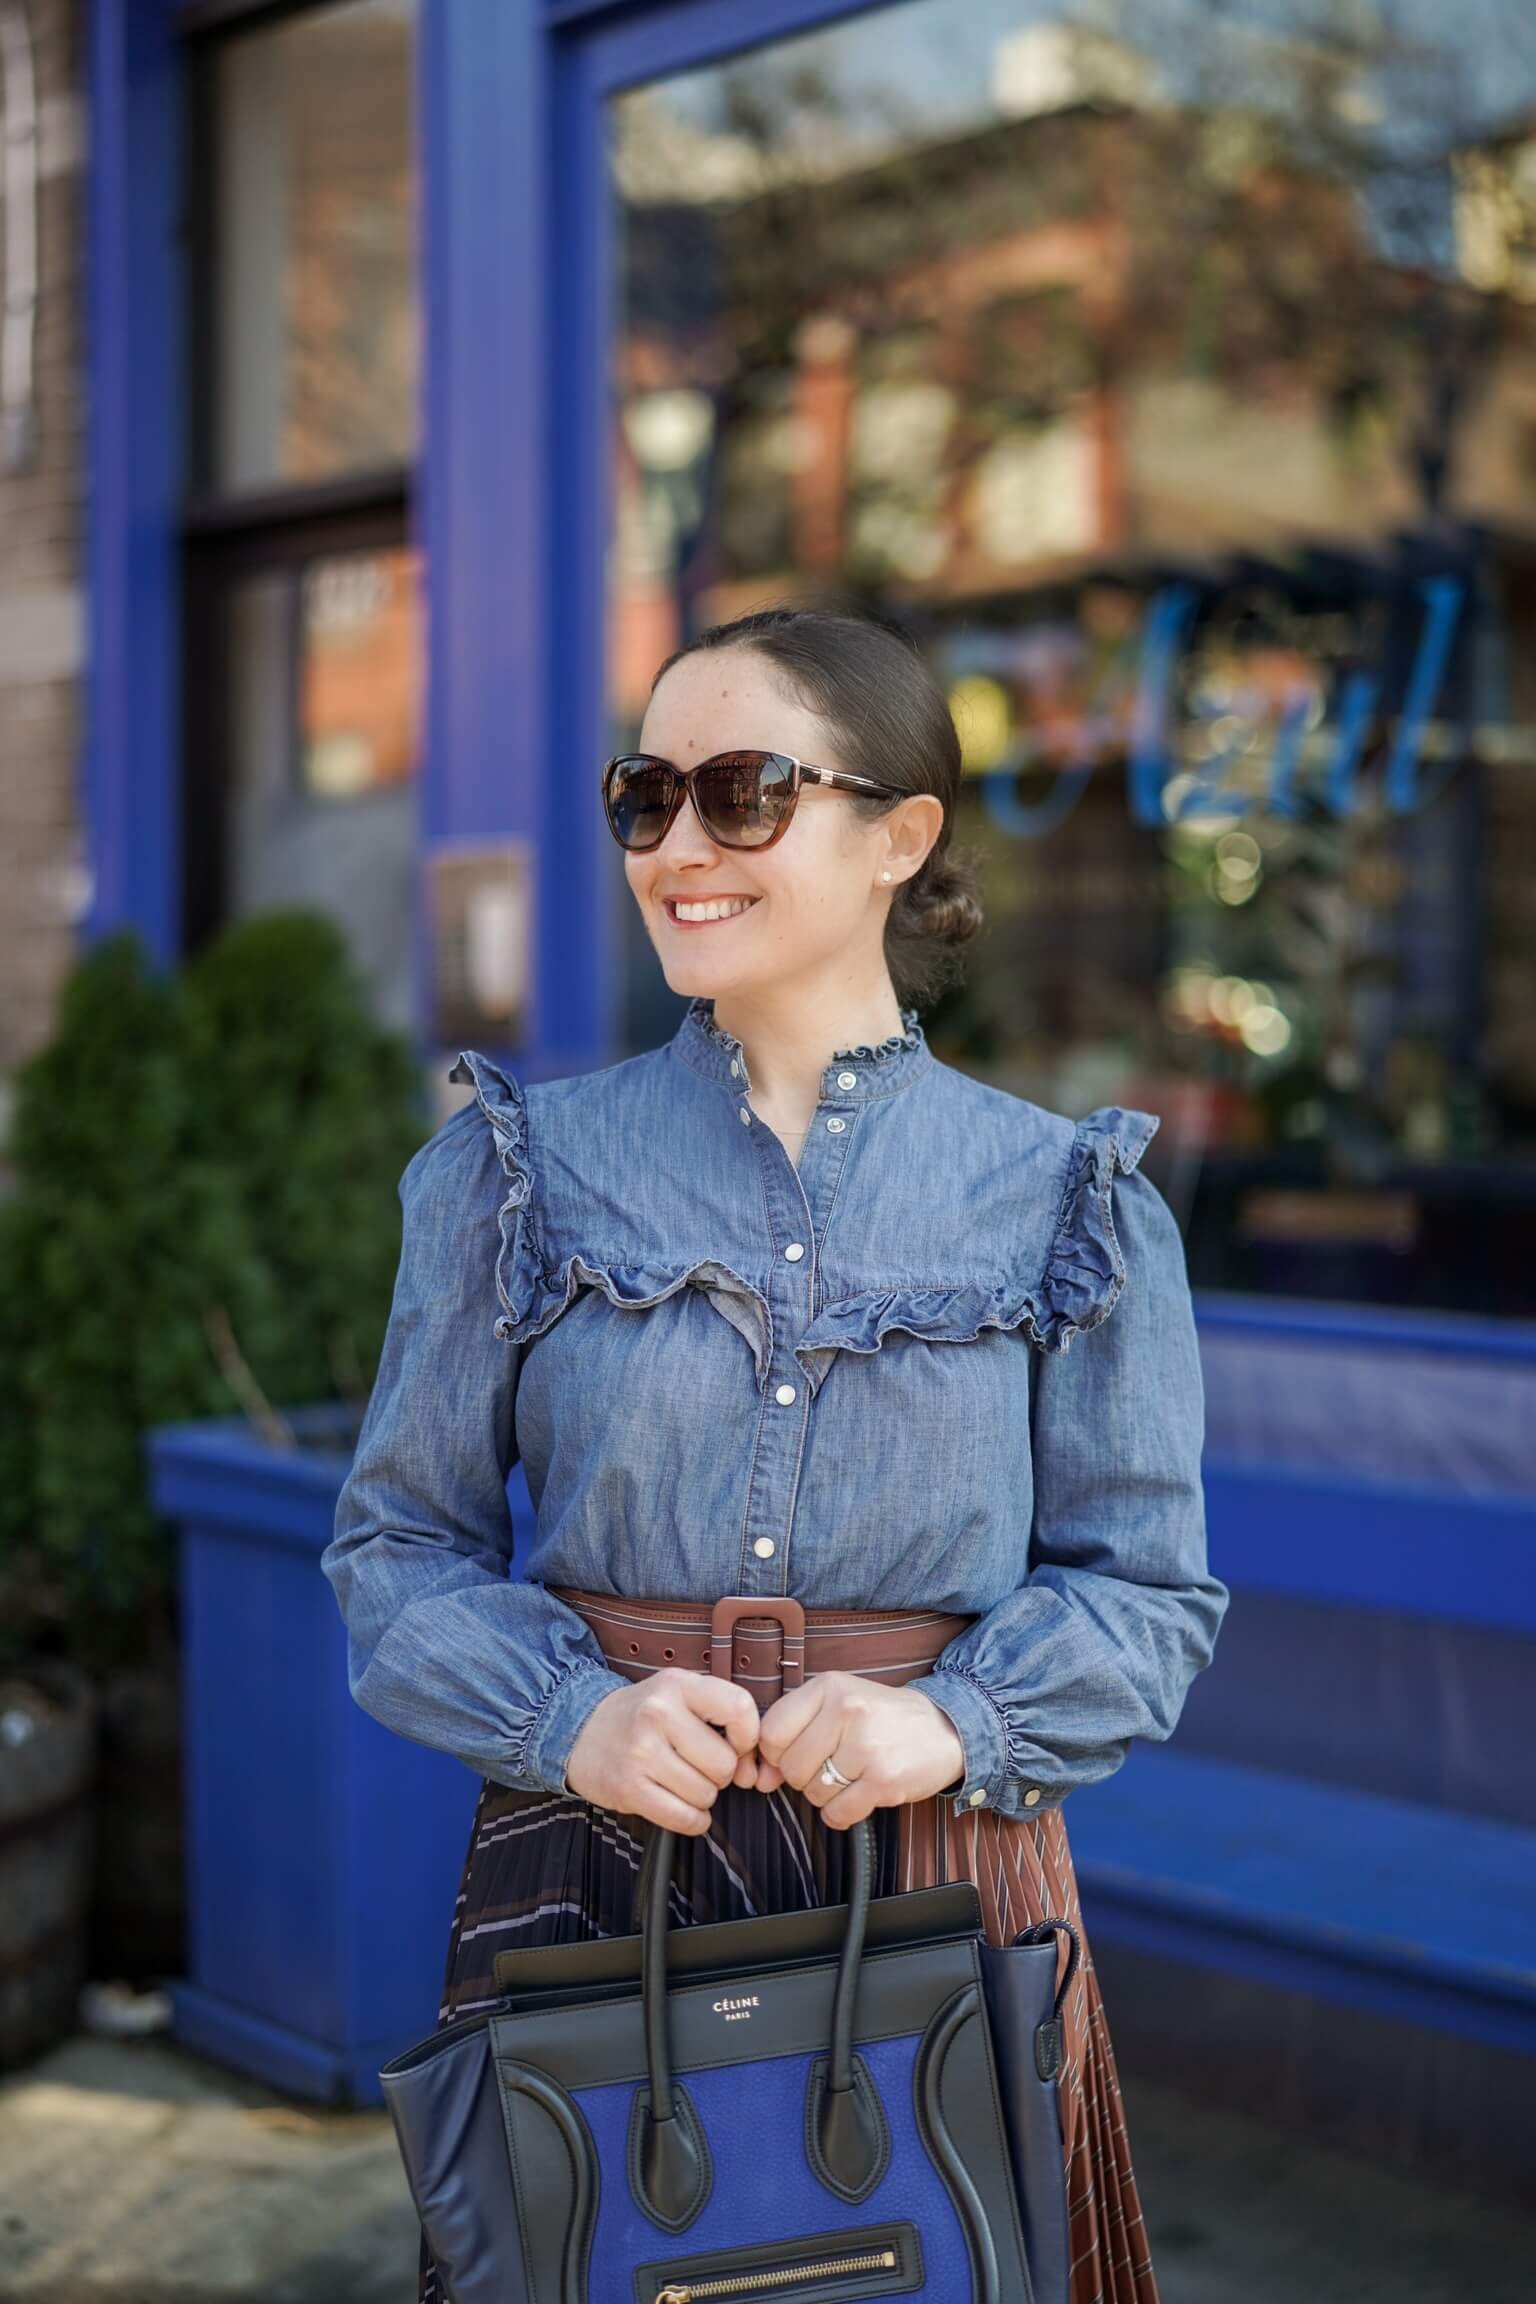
[{"x": 687, "y": 838}]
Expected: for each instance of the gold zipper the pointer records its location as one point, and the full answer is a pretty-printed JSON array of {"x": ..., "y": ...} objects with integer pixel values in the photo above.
[{"x": 732, "y": 2283}]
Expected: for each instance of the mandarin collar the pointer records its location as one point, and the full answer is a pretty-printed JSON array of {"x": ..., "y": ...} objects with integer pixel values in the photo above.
[{"x": 852, "y": 1075}]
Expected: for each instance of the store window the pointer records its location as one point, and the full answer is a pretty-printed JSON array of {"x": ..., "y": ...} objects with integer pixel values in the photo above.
[
  {"x": 322, "y": 725},
  {"x": 303, "y": 596},
  {"x": 317, "y": 348},
  {"x": 1172, "y": 371}
]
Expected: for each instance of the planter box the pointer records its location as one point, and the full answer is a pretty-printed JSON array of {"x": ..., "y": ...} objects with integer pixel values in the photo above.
[
  {"x": 323, "y": 1853},
  {"x": 47, "y": 1820}
]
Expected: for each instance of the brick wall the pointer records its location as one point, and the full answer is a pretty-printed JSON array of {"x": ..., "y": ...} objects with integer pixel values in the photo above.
[{"x": 42, "y": 540}]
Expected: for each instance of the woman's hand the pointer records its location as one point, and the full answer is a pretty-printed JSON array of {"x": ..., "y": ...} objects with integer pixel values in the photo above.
[
  {"x": 895, "y": 1743},
  {"x": 655, "y": 1749}
]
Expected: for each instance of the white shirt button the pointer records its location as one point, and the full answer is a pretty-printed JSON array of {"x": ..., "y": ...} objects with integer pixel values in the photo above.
[
  {"x": 847, "y": 1079},
  {"x": 746, "y": 1115},
  {"x": 837, "y": 1126},
  {"x": 978, "y": 1795},
  {"x": 1032, "y": 1797},
  {"x": 784, "y": 1395},
  {"x": 763, "y": 1547},
  {"x": 795, "y": 1251}
]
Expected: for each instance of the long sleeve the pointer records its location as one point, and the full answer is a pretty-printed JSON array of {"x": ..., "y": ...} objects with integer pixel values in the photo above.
[
  {"x": 443, "y": 1645},
  {"x": 1118, "y": 1610}
]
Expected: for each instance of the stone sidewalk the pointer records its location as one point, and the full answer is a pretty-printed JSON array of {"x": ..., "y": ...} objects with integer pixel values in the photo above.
[{"x": 134, "y": 2173}]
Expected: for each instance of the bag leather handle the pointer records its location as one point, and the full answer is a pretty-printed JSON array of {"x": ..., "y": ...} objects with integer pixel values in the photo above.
[{"x": 673, "y": 2171}]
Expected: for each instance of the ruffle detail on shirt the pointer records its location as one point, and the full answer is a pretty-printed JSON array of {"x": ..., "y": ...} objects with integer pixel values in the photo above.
[
  {"x": 635, "y": 1287},
  {"x": 1079, "y": 1287},
  {"x": 871, "y": 1051},
  {"x": 533, "y": 1292},
  {"x": 910, "y": 1035},
  {"x": 519, "y": 1262}
]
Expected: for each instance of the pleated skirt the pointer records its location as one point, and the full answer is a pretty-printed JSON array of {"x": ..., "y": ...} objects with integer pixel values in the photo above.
[{"x": 546, "y": 1868}]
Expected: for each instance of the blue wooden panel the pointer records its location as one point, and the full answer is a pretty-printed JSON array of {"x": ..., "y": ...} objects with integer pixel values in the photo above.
[
  {"x": 1302, "y": 1321},
  {"x": 1417, "y": 1912},
  {"x": 479, "y": 498},
  {"x": 306, "y": 1819},
  {"x": 1363, "y": 1543},
  {"x": 577, "y": 947},
  {"x": 135, "y": 428},
  {"x": 632, "y": 44}
]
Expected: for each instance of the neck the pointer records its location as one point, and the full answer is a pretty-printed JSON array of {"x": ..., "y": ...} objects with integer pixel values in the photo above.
[{"x": 789, "y": 1040}]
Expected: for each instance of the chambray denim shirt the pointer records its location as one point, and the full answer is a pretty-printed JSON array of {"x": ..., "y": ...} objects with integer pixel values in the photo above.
[{"x": 946, "y": 1361}]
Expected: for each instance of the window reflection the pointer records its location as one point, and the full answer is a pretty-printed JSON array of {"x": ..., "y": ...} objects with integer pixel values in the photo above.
[
  {"x": 324, "y": 712},
  {"x": 314, "y": 271},
  {"x": 1172, "y": 370}
]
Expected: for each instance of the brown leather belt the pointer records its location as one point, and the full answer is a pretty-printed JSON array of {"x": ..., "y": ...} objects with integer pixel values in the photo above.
[{"x": 766, "y": 1643}]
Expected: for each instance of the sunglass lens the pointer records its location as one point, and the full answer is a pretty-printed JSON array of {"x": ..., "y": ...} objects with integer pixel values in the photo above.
[
  {"x": 637, "y": 793},
  {"x": 744, "y": 797}
]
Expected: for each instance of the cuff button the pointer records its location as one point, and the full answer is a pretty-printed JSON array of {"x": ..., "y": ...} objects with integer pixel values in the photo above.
[
  {"x": 1032, "y": 1797},
  {"x": 980, "y": 1794}
]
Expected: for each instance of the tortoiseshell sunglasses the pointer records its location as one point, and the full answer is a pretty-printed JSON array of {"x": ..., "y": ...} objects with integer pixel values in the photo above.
[{"x": 743, "y": 799}]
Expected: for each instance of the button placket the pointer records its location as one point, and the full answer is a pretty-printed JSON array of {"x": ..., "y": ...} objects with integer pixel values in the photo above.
[{"x": 790, "y": 1192}]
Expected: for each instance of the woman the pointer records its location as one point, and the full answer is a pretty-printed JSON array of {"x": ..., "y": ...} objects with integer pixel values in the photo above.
[{"x": 783, "y": 1308}]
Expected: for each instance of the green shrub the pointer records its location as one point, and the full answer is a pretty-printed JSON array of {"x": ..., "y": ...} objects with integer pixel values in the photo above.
[{"x": 205, "y": 1223}]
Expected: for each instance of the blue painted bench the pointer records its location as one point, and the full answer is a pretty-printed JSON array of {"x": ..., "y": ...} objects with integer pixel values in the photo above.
[
  {"x": 1414, "y": 1912},
  {"x": 1420, "y": 1912}
]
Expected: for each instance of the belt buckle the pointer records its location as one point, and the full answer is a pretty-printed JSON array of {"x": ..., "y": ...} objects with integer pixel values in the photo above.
[{"x": 786, "y": 1611}]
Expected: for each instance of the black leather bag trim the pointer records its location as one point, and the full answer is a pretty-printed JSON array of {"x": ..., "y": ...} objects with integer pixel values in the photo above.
[
  {"x": 584, "y": 2047},
  {"x": 527, "y": 2080},
  {"x": 917, "y": 1915},
  {"x": 927, "y": 2080}
]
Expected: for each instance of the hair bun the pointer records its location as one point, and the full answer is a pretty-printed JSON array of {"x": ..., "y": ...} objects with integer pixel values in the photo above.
[{"x": 941, "y": 900}]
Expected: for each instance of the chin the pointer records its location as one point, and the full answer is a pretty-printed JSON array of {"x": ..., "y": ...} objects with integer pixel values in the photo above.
[{"x": 699, "y": 982}]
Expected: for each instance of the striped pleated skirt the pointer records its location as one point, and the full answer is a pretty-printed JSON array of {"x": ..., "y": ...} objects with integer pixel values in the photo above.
[{"x": 546, "y": 1868}]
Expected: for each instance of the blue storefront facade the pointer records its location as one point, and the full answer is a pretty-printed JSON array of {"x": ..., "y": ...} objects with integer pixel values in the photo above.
[{"x": 451, "y": 361}]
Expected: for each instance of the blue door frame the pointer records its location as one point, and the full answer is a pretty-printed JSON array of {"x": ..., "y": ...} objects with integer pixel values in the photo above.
[{"x": 511, "y": 497}]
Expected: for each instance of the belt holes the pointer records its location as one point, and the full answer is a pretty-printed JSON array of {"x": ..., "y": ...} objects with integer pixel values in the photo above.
[
  {"x": 634, "y": 1647},
  {"x": 669, "y": 1651}
]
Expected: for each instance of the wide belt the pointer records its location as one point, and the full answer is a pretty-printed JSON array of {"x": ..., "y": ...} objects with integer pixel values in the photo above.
[{"x": 765, "y": 1642}]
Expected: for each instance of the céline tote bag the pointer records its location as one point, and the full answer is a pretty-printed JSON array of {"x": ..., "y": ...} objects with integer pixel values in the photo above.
[{"x": 850, "y": 2102}]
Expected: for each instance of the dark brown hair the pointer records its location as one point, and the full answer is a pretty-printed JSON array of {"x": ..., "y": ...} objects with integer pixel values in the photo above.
[{"x": 865, "y": 677}]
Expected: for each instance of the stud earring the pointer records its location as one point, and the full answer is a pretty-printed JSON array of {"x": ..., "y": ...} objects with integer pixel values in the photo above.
[{"x": 885, "y": 875}]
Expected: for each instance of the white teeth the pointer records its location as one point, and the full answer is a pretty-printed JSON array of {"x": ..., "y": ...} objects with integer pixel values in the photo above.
[{"x": 721, "y": 909}]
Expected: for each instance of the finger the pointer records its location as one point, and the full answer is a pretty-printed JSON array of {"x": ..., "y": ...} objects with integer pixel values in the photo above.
[
  {"x": 708, "y": 1748},
  {"x": 721, "y": 1701},
  {"x": 677, "y": 1772},
  {"x": 788, "y": 1715},
  {"x": 849, "y": 1804},
  {"x": 677, "y": 1814},
  {"x": 800, "y": 1761}
]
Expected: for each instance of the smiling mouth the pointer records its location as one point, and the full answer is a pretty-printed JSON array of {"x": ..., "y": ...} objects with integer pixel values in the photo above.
[{"x": 739, "y": 906}]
